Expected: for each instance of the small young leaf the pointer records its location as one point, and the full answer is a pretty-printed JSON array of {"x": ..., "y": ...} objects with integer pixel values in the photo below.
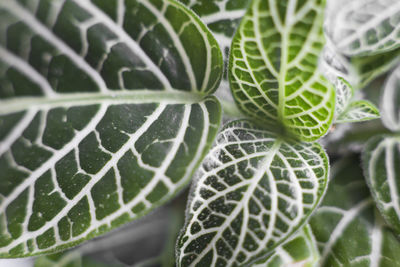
[
  {"x": 254, "y": 190},
  {"x": 381, "y": 160},
  {"x": 365, "y": 27},
  {"x": 357, "y": 111},
  {"x": 348, "y": 228},
  {"x": 391, "y": 102},
  {"x": 344, "y": 93},
  {"x": 104, "y": 115},
  {"x": 300, "y": 250},
  {"x": 274, "y": 67}
]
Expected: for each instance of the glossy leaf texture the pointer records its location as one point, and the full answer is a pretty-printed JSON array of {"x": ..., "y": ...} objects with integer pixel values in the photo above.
[
  {"x": 390, "y": 103},
  {"x": 104, "y": 115},
  {"x": 365, "y": 27},
  {"x": 381, "y": 167},
  {"x": 222, "y": 17},
  {"x": 274, "y": 67},
  {"x": 252, "y": 192},
  {"x": 347, "y": 226},
  {"x": 300, "y": 250}
]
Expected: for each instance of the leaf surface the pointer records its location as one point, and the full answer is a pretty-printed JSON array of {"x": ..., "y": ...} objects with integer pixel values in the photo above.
[
  {"x": 390, "y": 103},
  {"x": 104, "y": 115},
  {"x": 222, "y": 18},
  {"x": 274, "y": 67},
  {"x": 381, "y": 167},
  {"x": 253, "y": 191},
  {"x": 365, "y": 27},
  {"x": 347, "y": 226},
  {"x": 299, "y": 250}
]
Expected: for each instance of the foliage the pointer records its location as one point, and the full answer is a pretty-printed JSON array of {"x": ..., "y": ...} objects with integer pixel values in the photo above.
[{"x": 110, "y": 108}]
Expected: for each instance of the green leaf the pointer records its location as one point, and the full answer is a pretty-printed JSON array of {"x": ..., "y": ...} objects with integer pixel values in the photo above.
[
  {"x": 222, "y": 18},
  {"x": 63, "y": 259},
  {"x": 347, "y": 110},
  {"x": 273, "y": 67},
  {"x": 390, "y": 104},
  {"x": 365, "y": 27},
  {"x": 357, "y": 111},
  {"x": 369, "y": 68},
  {"x": 344, "y": 94},
  {"x": 300, "y": 250},
  {"x": 253, "y": 191},
  {"x": 104, "y": 115},
  {"x": 347, "y": 227},
  {"x": 381, "y": 167}
]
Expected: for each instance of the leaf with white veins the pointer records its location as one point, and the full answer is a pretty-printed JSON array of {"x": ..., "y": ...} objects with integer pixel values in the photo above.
[
  {"x": 358, "y": 111},
  {"x": 222, "y": 17},
  {"x": 365, "y": 27},
  {"x": 274, "y": 67},
  {"x": 381, "y": 159},
  {"x": 253, "y": 191},
  {"x": 347, "y": 226},
  {"x": 390, "y": 103},
  {"x": 104, "y": 115}
]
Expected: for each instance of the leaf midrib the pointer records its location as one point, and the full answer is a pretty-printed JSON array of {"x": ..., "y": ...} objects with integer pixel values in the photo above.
[{"x": 17, "y": 104}]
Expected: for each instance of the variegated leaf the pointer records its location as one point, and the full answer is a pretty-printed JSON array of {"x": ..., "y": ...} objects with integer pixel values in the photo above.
[
  {"x": 344, "y": 94},
  {"x": 300, "y": 251},
  {"x": 365, "y": 27},
  {"x": 104, "y": 115},
  {"x": 381, "y": 160},
  {"x": 253, "y": 191},
  {"x": 222, "y": 17},
  {"x": 273, "y": 67},
  {"x": 347, "y": 226},
  {"x": 391, "y": 102},
  {"x": 369, "y": 68},
  {"x": 357, "y": 111}
]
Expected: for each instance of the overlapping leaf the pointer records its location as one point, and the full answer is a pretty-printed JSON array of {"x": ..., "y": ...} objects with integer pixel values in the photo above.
[
  {"x": 369, "y": 68},
  {"x": 381, "y": 166},
  {"x": 254, "y": 190},
  {"x": 103, "y": 115},
  {"x": 300, "y": 250},
  {"x": 222, "y": 17},
  {"x": 391, "y": 102},
  {"x": 273, "y": 67},
  {"x": 365, "y": 27},
  {"x": 348, "y": 227}
]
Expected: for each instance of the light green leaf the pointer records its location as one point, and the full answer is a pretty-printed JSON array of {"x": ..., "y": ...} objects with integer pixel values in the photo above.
[
  {"x": 369, "y": 68},
  {"x": 365, "y": 27},
  {"x": 347, "y": 110},
  {"x": 63, "y": 259},
  {"x": 348, "y": 228},
  {"x": 357, "y": 111},
  {"x": 222, "y": 17},
  {"x": 381, "y": 159},
  {"x": 104, "y": 115},
  {"x": 390, "y": 104},
  {"x": 253, "y": 191},
  {"x": 300, "y": 250},
  {"x": 273, "y": 67},
  {"x": 344, "y": 94}
]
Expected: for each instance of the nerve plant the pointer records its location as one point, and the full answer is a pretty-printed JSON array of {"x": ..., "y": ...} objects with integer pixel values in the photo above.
[{"x": 107, "y": 112}]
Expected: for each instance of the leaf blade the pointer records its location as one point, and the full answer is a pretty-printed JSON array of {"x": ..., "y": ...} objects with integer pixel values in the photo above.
[
  {"x": 278, "y": 81},
  {"x": 225, "y": 202}
]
